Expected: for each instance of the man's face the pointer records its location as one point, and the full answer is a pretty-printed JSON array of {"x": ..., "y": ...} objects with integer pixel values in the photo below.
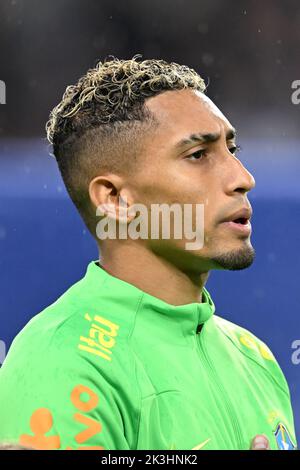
[{"x": 189, "y": 159}]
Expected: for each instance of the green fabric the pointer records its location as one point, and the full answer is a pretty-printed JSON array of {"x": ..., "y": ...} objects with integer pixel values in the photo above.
[{"x": 110, "y": 366}]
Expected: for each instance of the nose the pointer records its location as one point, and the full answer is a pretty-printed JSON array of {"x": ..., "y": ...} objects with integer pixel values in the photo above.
[{"x": 239, "y": 178}]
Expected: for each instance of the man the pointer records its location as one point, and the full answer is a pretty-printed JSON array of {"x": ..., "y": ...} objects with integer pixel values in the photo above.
[{"x": 133, "y": 356}]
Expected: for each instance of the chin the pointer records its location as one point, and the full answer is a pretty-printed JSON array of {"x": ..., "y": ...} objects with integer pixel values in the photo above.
[{"x": 234, "y": 259}]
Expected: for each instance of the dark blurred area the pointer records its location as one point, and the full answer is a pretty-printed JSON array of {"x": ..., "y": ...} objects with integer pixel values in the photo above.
[
  {"x": 247, "y": 51},
  {"x": 248, "y": 54}
]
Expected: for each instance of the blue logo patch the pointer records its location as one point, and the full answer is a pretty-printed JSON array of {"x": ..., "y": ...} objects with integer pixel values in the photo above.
[{"x": 283, "y": 438}]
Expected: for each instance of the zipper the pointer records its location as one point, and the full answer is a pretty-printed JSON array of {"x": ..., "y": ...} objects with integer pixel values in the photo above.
[{"x": 228, "y": 404}]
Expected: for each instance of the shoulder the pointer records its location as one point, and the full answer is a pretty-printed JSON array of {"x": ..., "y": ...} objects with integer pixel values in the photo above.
[
  {"x": 253, "y": 349},
  {"x": 243, "y": 338},
  {"x": 83, "y": 329}
]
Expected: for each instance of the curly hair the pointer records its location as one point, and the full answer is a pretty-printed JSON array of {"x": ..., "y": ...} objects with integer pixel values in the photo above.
[{"x": 100, "y": 118}]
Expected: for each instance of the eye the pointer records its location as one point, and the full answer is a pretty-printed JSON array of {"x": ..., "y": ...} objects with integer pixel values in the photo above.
[
  {"x": 197, "y": 155},
  {"x": 234, "y": 149}
]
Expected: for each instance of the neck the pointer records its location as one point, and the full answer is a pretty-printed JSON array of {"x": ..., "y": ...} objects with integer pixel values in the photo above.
[{"x": 136, "y": 264}]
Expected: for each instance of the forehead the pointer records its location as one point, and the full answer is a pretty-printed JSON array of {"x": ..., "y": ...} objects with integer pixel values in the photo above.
[{"x": 186, "y": 111}]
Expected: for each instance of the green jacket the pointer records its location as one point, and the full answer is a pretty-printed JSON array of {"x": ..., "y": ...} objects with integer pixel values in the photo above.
[{"x": 108, "y": 366}]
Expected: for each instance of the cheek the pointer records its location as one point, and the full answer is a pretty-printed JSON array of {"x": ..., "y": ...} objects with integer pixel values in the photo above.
[
  {"x": 174, "y": 184},
  {"x": 157, "y": 187}
]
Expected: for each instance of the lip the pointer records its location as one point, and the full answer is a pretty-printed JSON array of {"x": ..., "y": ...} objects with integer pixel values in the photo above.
[
  {"x": 243, "y": 213},
  {"x": 242, "y": 228}
]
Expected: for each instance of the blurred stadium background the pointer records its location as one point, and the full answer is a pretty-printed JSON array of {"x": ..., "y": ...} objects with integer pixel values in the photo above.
[{"x": 248, "y": 52}]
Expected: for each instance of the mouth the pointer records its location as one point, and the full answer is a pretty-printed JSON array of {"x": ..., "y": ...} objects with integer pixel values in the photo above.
[
  {"x": 239, "y": 221},
  {"x": 240, "y": 226}
]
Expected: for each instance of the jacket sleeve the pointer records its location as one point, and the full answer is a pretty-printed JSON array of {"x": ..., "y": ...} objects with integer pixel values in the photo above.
[{"x": 65, "y": 403}]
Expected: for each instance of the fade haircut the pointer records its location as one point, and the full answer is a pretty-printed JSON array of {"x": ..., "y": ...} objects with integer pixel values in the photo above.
[{"x": 99, "y": 124}]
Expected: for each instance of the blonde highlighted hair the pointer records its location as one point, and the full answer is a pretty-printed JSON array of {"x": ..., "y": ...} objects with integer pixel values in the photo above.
[{"x": 98, "y": 124}]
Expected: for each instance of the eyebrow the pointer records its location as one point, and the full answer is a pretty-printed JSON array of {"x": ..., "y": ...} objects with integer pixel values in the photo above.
[{"x": 205, "y": 138}]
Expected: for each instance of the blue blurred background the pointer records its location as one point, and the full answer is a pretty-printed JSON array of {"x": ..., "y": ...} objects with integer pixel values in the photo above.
[{"x": 247, "y": 52}]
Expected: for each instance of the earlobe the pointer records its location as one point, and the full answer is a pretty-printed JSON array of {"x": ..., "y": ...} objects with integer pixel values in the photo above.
[{"x": 125, "y": 214}]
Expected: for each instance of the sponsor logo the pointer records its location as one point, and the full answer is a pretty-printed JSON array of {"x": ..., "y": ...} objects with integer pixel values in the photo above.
[
  {"x": 197, "y": 447},
  {"x": 201, "y": 445},
  {"x": 101, "y": 338},
  {"x": 42, "y": 423}
]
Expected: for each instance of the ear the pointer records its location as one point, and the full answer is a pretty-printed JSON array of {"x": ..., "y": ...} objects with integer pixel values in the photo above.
[{"x": 110, "y": 198}]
